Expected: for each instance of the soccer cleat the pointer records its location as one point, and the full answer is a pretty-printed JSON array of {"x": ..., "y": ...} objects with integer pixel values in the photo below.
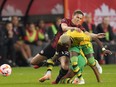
[
  {"x": 98, "y": 67},
  {"x": 77, "y": 81},
  {"x": 0, "y": 71},
  {"x": 81, "y": 82},
  {"x": 54, "y": 82},
  {"x": 36, "y": 66},
  {"x": 45, "y": 77}
]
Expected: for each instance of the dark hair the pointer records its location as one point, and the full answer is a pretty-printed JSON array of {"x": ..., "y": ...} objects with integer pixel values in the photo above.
[{"x": 78, "y": 12}]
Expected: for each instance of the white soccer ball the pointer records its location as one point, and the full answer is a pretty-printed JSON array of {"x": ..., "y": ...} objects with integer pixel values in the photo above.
[{"x": 5, "y": 70}]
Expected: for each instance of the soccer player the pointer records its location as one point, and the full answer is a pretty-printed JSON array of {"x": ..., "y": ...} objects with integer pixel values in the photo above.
[
  {"x": 67, "y": 24},
  {"x": 62, "y": 50},
  {"x": 49, "y": 51},
  {"x": 73, "y": 39}
]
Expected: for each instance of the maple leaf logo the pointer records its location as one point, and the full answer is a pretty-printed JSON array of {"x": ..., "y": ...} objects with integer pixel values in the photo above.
[
  {"x": 104, "y": 10},
  {"x": 10, "y": 11},
  {"x": 58, "y": 9}
]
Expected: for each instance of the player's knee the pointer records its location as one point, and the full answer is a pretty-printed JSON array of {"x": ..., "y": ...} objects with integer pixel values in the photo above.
[
  {"x": 37, "y": 59},
  {"x": 74, "y": 64},
  {"x": 91, "y": 61},
  {"x": 65, "y": 67},
  {"x": 32, "y": 62},
  {"x": 74, "y": 60}
]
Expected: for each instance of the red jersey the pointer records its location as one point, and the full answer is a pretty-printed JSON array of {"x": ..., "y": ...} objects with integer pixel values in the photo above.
[{"x": 60, "y": 31}]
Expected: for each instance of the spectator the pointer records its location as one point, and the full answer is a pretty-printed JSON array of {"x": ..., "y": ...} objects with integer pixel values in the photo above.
[
  {"x": 8, "y": 50},
  {"x": 41, "y": 27},
  {"x": 105, "y": 27},
  {"x": 88, "y": 24},
  {"x": 2, "y": 46},
  {"x": 33, "y": 38},
  {"x": 19, "y": 34},
  {"x": 52, "y": 30}
]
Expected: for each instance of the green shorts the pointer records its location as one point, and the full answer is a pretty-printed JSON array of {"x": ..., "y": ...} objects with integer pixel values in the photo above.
[
  {"x": 82, "y": 61},
  {"x": 75, "y": 49},
  {"x": 87, "y": 48}
]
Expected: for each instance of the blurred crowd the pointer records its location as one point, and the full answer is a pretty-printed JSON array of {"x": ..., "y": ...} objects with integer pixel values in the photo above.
[{"x": 19, "y": 43}]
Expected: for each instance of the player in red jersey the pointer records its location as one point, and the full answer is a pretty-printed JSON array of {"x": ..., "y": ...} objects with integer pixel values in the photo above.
[{"x": 49, "y": 51}]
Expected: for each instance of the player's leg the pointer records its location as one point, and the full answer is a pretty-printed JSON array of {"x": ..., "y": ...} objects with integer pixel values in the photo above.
[
  {"x": 94, "y": 67},
  {"x": 75, "y": 51},
  {"x": 88, "y": 51},
  {"x": 82, "y": 61},
  {"x": 68, "y": 77},
  {"x": 37, "y": 59},
  {"x": 50, "y": 65},
  {"x": 64, "y": 60},
  {"x": 48, "y": 52}
]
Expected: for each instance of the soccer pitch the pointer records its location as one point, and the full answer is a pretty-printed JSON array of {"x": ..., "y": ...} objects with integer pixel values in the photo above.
[{"x": 28, "y": 77}]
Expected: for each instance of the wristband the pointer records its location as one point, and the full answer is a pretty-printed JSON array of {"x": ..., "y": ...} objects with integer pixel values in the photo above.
[{"x": 103, "y": 49}]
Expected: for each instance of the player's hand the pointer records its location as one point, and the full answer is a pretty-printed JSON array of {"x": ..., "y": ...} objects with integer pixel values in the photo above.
[
  {"x": 78, "y": 29},
  {"x": 107, "y": 52},
  {"x": 100, "y": 35}
]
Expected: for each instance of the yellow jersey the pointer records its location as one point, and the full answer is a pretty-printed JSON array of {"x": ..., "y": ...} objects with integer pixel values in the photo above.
[{"x": 78, "y": 38}]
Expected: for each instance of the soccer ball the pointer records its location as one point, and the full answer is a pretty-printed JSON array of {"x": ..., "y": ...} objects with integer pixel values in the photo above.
[{"x": 5, "y": 70}]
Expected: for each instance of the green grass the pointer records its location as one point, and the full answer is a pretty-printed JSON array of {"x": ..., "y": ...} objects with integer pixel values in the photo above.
[{"x": 28, "y": 77}]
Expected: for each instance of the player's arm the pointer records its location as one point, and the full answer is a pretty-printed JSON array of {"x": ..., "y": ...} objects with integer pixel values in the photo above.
[
  {"x": 65, "y": 27},
  {"x": 94, "y": 36},
  {"x": 104, "y": 50}
]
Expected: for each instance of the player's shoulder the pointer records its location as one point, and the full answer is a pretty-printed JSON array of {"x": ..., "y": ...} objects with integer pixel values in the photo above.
[{"x": 65, "y": 20}]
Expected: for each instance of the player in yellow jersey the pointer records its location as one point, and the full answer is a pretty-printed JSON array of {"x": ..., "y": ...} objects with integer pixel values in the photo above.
[
  {"x": 76, "y": 41},
  {"x": 75, "y": 37},
  {"x": 67, "y": 24}
]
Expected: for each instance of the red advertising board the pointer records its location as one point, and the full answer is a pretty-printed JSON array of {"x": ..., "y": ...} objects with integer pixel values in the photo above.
[
  {"x": 40, "y": 7},
  {"x": 1, "y": 2},
  {"x": 15, "y": 7}
]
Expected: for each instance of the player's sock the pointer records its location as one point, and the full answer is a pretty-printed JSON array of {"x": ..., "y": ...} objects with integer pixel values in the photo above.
[
  {"x": 92, "y": 61},
  {"x": 74, "y": 63},
  {"x": 47, "y": 76},
  {"x": 98, "y": 67},
  {"x": 66, "y": 81},
  {"x": 50, "y": 65},
  {"x": 62, "y": 73}
]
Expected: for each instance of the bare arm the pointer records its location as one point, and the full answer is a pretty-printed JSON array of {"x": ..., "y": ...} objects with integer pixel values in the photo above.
[
  {"x": 95, "y": 38},
  {"x": 65, "y": 27}
]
